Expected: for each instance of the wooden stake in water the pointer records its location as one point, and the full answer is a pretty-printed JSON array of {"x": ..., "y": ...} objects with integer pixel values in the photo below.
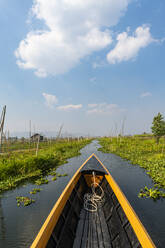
[
  {"x": 30, "y": 135},
  {"x": 60, "y": 131},
  {"x": 2, "y": 121},
  {"x": 37, "y": 145}
]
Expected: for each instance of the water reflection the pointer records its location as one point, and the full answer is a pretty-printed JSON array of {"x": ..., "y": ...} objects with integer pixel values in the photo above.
[{"x": 2, "y": 223}]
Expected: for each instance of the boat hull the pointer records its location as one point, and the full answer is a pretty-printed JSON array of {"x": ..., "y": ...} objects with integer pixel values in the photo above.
[{"x": 112, "y": 224}]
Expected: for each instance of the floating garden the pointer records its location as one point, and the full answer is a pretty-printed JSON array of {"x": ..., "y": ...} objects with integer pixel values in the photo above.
[
  {"x": 142, "y": 151},
  {"x": 19, "y": 167}
]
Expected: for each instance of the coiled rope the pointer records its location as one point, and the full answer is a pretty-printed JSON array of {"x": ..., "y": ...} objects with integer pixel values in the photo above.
[{"x": 92, "y": 200}]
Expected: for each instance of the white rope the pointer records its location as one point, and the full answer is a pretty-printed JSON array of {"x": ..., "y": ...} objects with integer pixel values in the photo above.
[{"x": 91, "y": 200}]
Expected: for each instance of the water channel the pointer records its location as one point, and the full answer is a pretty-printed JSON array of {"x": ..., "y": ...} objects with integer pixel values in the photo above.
[{"x": 19, "y": 225}]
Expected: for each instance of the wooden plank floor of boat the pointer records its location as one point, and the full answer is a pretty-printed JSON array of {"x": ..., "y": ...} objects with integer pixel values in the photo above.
[
  {"x": 79, "y": 228},
  {"x": 92, "y": 230}
]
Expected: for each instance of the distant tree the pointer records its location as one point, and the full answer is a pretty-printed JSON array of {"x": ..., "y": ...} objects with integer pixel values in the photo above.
[
  {"x": 22, "y": 139},
  {"x": 158, "y": 127}
]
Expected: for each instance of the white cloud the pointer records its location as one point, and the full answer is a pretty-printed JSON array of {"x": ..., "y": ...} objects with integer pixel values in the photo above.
[
  {"x": 145, "y": 94},
  {"x": 50, "y": 100},
  {"x": 70, "y": 107},
  {"x": 127, "y": 47},
  {"x": 72, "y": 30},
  {"x": 103, "y": 108}
]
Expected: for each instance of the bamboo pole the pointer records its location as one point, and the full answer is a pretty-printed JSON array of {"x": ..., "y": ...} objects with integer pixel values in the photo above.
[
  {"x": 37, "y": 146},
  {"x": 2, "y": 121}
]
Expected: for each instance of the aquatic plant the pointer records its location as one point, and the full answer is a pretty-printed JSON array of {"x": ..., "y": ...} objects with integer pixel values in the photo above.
[
  {"x": 151, "y": 193},
  {"x": 41, "y": 181},
  {"x": 62, "y": 175},
  {"x": 24, "y": 200},
  {"x": 65, "y": 175},
  {"x": 53, "y": 173},
  {"x": 54, "y": 178},
  {"x": 59, "y": 175},
  {"x": 35, "y": 190},
  {"x": 142, "y": 151}
]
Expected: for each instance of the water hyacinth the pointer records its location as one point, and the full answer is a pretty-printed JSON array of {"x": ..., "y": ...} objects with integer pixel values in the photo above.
[
  {"x": 35, "y": 190},
  {"x": 24, "y": 200},
  {"x": 41, "y": 181},
  {"x": 151, "y": 193},
  {"x": 54, "y": 178},
  {"x": 141, "y": 151}
]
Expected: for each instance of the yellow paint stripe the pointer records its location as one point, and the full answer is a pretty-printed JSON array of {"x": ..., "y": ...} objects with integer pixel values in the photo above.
[
  {"x": 48, "y": 226},
  {"x": 135, "y": 222}
]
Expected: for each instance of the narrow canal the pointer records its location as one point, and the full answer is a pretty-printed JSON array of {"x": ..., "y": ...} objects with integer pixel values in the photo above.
[{"x": 19, "y": 225}]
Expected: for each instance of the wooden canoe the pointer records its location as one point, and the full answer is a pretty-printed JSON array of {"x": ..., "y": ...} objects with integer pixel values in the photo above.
[{"x": 79, "y": 222}]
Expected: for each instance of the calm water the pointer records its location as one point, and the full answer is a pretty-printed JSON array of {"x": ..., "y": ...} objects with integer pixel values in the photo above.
[{"x": 19, "y": 225}]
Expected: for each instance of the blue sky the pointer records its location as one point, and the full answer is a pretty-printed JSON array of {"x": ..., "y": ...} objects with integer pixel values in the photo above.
[{"x": 85, "y": 64}]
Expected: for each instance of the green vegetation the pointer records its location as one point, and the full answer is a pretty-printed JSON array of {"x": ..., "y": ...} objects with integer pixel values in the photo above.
[
  {"x": 54, "y": 178},
  {"x": 65, "y": 175},
  {"x": 41, "y": 181},
  {"x": 58, "y": 175},
  {"x": 158, "y": 127},
  {"x": 35, "y": 190},
  {"x": 25, "y": 201},
  {"x": 151, "y": 193},
  {"x": 143, "y": 151},
  {"x": 62, "y": 175},
  {"x": 53, "y": 173},
  {"x": 21, "y": 166},
  {"x": 24, "y": 144}
]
